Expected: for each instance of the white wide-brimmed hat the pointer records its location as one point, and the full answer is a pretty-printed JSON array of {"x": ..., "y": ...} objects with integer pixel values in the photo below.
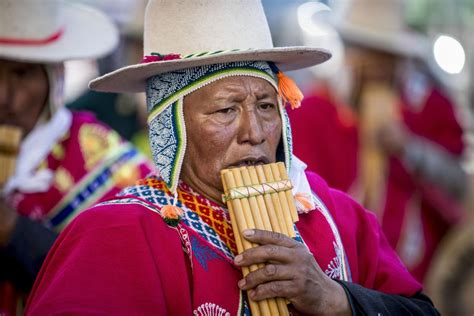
[
  {"x": 379, "y": 24},
  {"x": 53, "y": 31},
  {"x": 194, "y": 33}
]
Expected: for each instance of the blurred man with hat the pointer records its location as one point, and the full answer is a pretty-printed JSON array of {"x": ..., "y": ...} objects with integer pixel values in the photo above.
[
  {"x": 216, "y": 95},
  {"x": 411, "y": 142},
  {"x": 65, "y": 162}
]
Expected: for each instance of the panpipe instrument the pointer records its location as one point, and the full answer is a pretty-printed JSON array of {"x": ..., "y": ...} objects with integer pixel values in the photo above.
[
  {"x": 10, "y": 138},
  {"x": 260, "y": 197}
]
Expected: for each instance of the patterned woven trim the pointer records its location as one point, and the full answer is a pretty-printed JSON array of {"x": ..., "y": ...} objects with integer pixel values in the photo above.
[
  {"x": 257, "y": 189},
  {"x": 345, "y": 273},
  {"x": 91, "y": 188},
  {"x": 154, "y": 56},
  {"x": 127, "y": 201},
  {"x": 168, "y": 143},
  {"x": 286, "y": 136},
  {"x": 154, "y": 191},
  {"x": 216, "y": 52}
]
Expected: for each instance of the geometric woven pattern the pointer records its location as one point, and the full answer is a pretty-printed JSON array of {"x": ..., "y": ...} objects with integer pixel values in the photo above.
[
  {"x": 209, "y": 220},
  {"x": 167, "y": 142}
]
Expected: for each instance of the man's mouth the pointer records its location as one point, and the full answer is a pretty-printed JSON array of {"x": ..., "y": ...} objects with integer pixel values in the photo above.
[{"x": 250, "y": 161}]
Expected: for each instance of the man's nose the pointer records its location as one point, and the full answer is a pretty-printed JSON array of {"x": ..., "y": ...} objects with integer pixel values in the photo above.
[{"x": 251, "y": 128}]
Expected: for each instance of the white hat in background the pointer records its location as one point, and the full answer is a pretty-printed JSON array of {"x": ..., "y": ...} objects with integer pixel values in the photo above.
[
  {"x": 197, "y": 33},
  {"x": 379, "y": 24},
  {"x": 53, "y": 31}
]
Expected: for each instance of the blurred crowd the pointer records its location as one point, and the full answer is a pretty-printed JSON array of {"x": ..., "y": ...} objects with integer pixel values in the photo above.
[{"x": 387, "y": 120}]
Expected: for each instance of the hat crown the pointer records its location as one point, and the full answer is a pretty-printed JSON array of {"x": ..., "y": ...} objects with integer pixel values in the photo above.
[
  {"x": 381, "y": 15},
  {"x": 17, "y": 19},
  {"x": 188, "y": 27}
]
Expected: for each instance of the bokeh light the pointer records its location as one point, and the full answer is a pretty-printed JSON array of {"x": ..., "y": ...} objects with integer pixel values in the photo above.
[{"x": 449, "y": 54}]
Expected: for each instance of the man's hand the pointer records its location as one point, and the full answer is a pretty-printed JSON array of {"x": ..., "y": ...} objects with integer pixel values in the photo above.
[
  {"x": 8, "y": 218},
  {"x": 290, "y": 272},
  {"x": 393, "y": 138}
]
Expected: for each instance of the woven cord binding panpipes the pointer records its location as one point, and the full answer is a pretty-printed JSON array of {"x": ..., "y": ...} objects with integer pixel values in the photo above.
[
  {"x": 260, "y": 197},
  {"x": 10, "y": 138}
]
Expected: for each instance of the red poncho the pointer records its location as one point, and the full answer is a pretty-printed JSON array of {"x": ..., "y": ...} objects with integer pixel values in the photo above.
[{"x": 121, "y": 258}]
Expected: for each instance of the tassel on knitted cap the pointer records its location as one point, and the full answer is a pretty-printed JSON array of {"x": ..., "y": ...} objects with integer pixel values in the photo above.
[
  {"x": 289, "y": 91},
  {"x": 287, "y": 88}
]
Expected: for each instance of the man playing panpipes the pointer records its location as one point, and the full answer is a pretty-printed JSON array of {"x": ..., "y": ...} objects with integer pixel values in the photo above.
[{"x": 166, "y": 245}]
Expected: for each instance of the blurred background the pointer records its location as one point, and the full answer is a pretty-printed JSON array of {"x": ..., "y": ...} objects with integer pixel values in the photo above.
[{"x": 389, "y": 119}]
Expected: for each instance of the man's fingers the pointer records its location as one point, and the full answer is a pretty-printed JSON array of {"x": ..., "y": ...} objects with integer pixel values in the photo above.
[
  {"x": 270, "y": 272},
  {"x": 263, "y": 254},
  {"x": 285, "y": 289},
  {"x": 264, "y": 237}
]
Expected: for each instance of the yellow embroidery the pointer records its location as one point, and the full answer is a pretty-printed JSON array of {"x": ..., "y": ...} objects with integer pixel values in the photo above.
[
  {"x": 58, "y": 152},
  {"x": 96, "y": 143},
  {"x": 126, "y": 175},
  {"x": 63, "y": 180}
]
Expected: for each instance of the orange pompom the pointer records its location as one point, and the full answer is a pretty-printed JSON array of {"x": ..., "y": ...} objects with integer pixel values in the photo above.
[
  {"x": 289, "y": 91},
  {"x": 171, "y": 212},
  {"x": 304, "y": 202}
]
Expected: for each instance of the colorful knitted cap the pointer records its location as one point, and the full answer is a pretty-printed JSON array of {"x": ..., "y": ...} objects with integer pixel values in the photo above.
[{"x": 165, "y": 94}]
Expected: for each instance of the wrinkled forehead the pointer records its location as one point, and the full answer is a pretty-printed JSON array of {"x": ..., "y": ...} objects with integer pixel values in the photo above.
[
  {"x": 164, "y": 89},
  {"x": 234, "y": 89}
]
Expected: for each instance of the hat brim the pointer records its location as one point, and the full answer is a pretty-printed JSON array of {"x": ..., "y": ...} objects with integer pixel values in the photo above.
[
  {"x": 404, "y": 43},
  {"x": 87, "y": 33},
  {"x": 133, "y": 78}
]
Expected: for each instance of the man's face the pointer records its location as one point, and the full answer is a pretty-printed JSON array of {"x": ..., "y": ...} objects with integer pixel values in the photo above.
[
  {"x": 23, "y": 93},
  {"x": 232, "y": 122}
]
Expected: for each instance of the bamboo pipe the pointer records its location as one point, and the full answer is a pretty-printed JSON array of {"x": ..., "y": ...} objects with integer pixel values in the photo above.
[
  {"x": 286, "y": 210},
  {"x": 272, "y": 214},
  {"x": 260, "y": 201},
  {"x": 259, "y": 222},
  {"x": 10, "y": 138},
  {"x": 239, "y": 223},
  {"x": 276, "y": 201},
  {"x": 289, "y": 194},
  {"x": 249, "y": 214}
]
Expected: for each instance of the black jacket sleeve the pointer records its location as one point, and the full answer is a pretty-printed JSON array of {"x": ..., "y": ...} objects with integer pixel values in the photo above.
[
  {"x": 364, "y": 301},
  {"x": 21, "y": 259}
]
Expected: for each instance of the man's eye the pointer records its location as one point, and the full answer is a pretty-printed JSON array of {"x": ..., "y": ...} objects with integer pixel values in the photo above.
[
  {"x": 225, "y": 110},
  {"x": 267, "y": 106}
]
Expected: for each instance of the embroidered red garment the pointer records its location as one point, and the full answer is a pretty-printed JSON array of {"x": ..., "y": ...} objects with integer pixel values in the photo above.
[
  {"x": 90, "y": 163},
  {"x": 120, "y": 258}
]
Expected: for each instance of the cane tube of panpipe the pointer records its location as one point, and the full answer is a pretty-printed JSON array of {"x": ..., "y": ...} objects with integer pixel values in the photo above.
[
  {"x": 238, "y": 221},
  {"x": 252, "y": 220},
  {"x": 274, "y": 220},
  {"x": 259, "y": 174},
  {"x": 258, "y": 215},
  {"x": 235, "y": 229},
  {"x": 289, "y": 194},
  {"x": 259, "y": 192},
  {"x": 277, "y": 204},
  {"x": 10, "y": 138},
  {"x": 286, "y": 210}
]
